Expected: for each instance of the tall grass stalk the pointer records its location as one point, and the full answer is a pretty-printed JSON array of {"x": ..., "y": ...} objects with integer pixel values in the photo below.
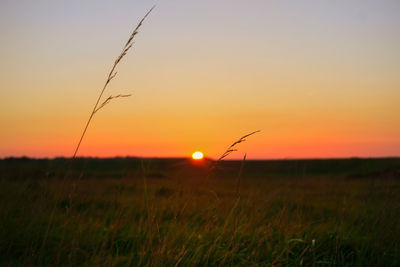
[
  {"x": 232, "y": 148},
  {"x": 96, "y": 108},
  {"x": 239, "y": 177},
  {"x": 111, "y": 75}
]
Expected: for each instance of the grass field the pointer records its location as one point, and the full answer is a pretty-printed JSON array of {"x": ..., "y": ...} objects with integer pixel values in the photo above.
[{"x": 172, "y": 212}]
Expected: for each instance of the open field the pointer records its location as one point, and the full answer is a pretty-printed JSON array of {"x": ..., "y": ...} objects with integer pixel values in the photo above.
[{"x": 173, "y": 212}]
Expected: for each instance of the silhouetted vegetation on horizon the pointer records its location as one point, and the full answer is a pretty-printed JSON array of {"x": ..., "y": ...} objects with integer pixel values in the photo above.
[{"x": 128, "y": 166}]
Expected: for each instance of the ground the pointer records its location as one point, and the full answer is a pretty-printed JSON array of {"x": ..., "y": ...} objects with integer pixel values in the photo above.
[{"x": 178, "y": 212}]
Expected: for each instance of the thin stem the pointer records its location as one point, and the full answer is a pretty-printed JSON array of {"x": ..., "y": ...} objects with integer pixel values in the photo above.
[{"x": 111, "y": 75}]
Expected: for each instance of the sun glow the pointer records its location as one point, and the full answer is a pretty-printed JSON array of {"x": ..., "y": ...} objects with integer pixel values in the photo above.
[{"x": 197, "y": 155}]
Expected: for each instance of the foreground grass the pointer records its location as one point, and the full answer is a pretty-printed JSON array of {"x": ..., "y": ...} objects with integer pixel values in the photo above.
[{"x": 179, "y": 220}]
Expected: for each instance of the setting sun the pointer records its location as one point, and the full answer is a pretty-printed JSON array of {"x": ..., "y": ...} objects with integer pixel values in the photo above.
[{"x": 197, "y": 155}]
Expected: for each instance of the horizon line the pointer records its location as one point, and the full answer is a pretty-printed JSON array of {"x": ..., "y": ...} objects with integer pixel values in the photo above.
[{"x": 205, "y": 158}]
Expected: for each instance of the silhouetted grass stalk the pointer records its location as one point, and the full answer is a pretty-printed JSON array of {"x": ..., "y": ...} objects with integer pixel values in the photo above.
[
  {"x": 232, "y": 148},
  {"x": 111, "y": 75},
  {"x": 214, "y": 164},
  {"x": 239, "y": 177},
  {"x": 96, "y": 108}
]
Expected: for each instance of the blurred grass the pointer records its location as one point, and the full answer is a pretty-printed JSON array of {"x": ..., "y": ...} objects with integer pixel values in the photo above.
[{"x": 161, "y": 213}]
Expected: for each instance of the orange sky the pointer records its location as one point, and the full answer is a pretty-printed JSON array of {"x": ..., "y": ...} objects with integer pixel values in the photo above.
[{"x": 320, "y": 79}]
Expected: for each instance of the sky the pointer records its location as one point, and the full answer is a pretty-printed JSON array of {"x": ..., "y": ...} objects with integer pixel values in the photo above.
[{"x": 320, "y": 79}]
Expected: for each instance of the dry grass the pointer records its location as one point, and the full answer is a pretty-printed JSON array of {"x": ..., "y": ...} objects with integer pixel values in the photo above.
[
  {"x": 276, "y": 221},
  {"x": 111, "y": 75},
  {"x": 232, "y": 148}
]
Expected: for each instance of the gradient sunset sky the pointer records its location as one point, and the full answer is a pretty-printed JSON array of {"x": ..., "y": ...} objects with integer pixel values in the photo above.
[{"x": 321, "y": 79}]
